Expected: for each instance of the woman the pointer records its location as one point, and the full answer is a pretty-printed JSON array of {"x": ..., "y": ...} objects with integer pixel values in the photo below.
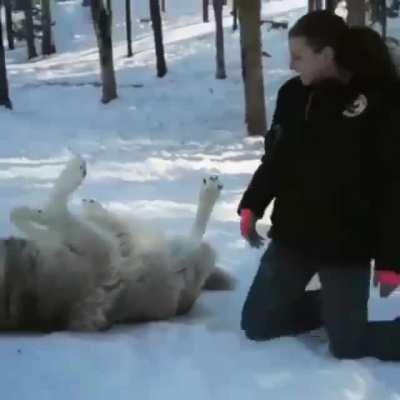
[{"x": 332, "y": 165}]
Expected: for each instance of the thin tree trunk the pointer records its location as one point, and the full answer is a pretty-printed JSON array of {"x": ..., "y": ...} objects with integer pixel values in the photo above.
[
  {"x": 252, "y": 69},
  {"x": 163, "y": 8},
  {"x": 219, "y": 40},
  {"x": 330, "y": 5},
  {"x": 234, "y": 13},
  {"x": 205, "y": 11},
  {"x": 4, "y": 95},
  {"x": 47, "y": 42},
  {"x": 314, "y": 5},
  {"x": 356, "y": 12},
  {"x": 128, "y": 14},
  {"x": 10, "y": 34},
  {"x": 383, "y": 19},
  {"x": 155, "y": 16},
  {"x": 29, "y": 33},
  {"x": 102, "y": 19}
]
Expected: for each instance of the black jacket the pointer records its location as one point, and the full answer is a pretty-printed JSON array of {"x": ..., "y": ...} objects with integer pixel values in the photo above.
[{"x": 332, "y": 164}]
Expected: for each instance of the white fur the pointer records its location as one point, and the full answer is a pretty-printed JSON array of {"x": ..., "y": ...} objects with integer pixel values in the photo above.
[{"x": 131, "y": 274}]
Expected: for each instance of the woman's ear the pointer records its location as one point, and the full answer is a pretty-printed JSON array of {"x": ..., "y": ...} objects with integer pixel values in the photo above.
[{"x": 328, "y": 53}]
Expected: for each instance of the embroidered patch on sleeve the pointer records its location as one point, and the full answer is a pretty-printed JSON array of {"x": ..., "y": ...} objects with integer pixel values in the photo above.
[{"x": 357, "y": 107}]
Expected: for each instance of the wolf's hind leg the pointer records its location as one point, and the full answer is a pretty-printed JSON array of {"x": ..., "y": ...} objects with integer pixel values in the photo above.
[
  {"x": 93, "y": 312},
  {"x": 110, "y": 223},
  {"x": 70, "y": 178}
]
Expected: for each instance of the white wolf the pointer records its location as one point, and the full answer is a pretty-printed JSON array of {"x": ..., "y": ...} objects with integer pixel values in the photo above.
[{"x": 89, "y": 272}]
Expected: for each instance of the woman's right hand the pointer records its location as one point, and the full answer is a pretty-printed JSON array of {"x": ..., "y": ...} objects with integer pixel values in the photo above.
[{"x": 248, "y": 228}]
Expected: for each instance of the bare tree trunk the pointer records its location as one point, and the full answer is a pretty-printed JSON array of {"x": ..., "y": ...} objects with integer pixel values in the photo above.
[
  {"x": 205, "y": 10},
  {"x": 234, "y": 15},
  {"x": 252, "y": 69},
  {"x": 10, "y": 34},
  {"x": 219, "y": 40},
  {"x": 163, "y": 8},
  {"x": 29, "y": 33},
  {"x": 314, "y": 5},
  {"x": 383, "y": 17},
  {"x": 85, "y": 3},
  {"x": 48, "y": 46},
  {"x": 330, "y": 5},
  {"x": 356, "y": 12},
  {"x": 128, "y": 15},
  {"x": 155, "y": 16},
  {"x": 4, "y": 96},
  {"x": 102, "y": 19}
]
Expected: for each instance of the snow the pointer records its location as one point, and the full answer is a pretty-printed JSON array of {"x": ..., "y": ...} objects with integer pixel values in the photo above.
[{"x": 147, "y": 152}]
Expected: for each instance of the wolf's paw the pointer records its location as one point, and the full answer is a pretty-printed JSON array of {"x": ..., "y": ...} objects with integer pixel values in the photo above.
[
  {"x": 72, "y": 175},
  {"x": 91, "y": 314},
  {"x": 90, "y": 322},
  {"x": 211, "y": 188},
  {"x": 92, "y": 207}
]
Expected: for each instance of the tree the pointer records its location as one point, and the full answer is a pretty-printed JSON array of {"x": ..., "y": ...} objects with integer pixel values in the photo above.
[
  {"x": 252, "y": 70},
  {"x": 128, "y": 15},
  {"x": 102, "y": 22},
  {"x": 29, "y": 33},
  {"x": 331, "y": 5},
  {"x": 10, "y": 34},
  {"x": 219, "y": 39},
  {"x": 314, "y": 5},
  {"x": 155, "y": 16},
  {"x": 205, "y": 10},
  {"x": 48, "y": 46},
  {"x": 4, "y": 96},
  {"x": 234, "y": 15},
  {"x": 163, "y": 6},
  {"x": 356, "y": 12}
]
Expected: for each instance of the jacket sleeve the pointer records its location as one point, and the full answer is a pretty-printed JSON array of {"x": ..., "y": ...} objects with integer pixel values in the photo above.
[
  {"x": 261, "y": 189},
  {"x": 388, "y": 204}
]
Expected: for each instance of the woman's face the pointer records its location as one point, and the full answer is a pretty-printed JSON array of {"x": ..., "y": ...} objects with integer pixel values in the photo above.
[{"x": 310, "y": 65}]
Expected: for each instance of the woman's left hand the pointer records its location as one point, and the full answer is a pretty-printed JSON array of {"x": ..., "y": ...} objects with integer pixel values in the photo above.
[{"x": 388, "y": 281}]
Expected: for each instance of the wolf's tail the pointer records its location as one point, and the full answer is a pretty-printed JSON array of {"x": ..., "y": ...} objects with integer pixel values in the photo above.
[{"x": 219, "y": 279}]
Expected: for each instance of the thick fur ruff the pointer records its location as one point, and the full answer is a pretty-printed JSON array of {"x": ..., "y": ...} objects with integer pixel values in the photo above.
[{"x": 88, "y": 272}]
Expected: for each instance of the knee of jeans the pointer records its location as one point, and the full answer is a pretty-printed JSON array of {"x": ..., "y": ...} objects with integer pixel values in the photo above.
[
  {"x": 345, "y": 349},
  {"x": 255, "y": 336},
  {"x": 258, "y": 328}
]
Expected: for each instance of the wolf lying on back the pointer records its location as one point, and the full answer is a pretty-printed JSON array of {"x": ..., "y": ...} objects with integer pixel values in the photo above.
[{"x": 87, "y": 273}]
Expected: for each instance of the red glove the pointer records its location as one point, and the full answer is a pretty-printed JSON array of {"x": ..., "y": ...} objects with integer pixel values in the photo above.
[
  {"x": 248, "y": 228},
  {"x": 388, "y": 281},
  {"x": 246, "y": 222},
  {"x": 389, "y": 277}
]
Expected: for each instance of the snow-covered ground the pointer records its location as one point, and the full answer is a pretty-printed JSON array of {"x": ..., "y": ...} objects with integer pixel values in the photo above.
[{"x": 147, "y": 152}]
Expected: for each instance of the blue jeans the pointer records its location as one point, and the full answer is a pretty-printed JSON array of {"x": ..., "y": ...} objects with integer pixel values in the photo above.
[{"x": 277, "y": 304}]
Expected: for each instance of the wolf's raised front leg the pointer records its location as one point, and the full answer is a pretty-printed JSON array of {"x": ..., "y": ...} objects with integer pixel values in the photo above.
[
  {"x": 70, "y": 178},
  {"x": 208, "y": 195},
  {"x": 42, "y": 225},
  {"x": 29, "y": 222},
  {"x": 110, "y": 223}
]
